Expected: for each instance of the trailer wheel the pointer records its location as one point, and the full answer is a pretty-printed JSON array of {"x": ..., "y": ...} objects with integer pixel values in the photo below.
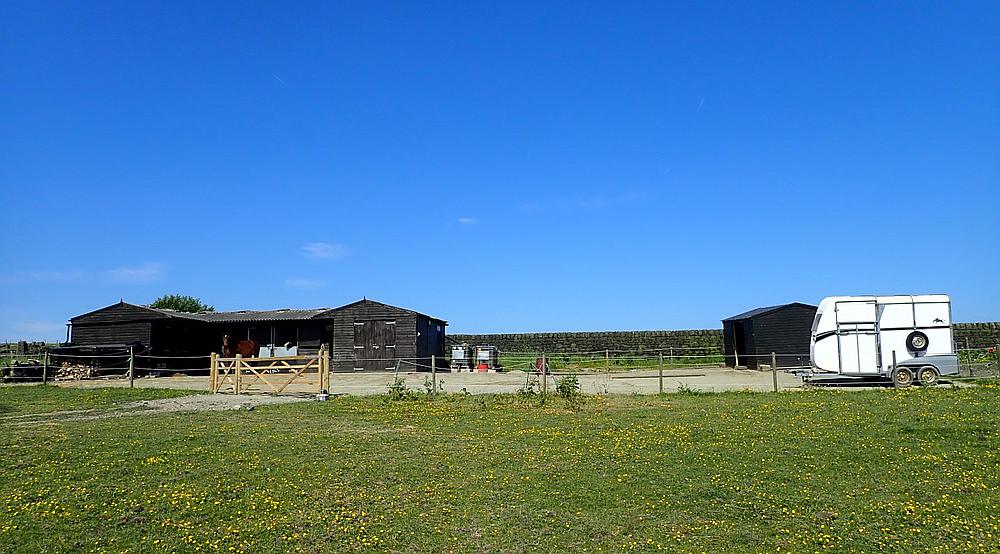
[
  {"x": 928, "y": 376},
  {"x": 903, "y": 377},
  {"x": 916, "y": 341}
]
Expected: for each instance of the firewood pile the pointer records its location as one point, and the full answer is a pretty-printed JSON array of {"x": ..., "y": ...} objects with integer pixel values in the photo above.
[{"x": 69, "y": 371}]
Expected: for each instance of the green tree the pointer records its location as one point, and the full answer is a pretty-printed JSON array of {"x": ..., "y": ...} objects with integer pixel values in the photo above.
[{"x": 181, "y": 303}]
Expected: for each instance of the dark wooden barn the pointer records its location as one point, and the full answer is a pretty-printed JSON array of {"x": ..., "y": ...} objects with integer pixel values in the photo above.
[
  {"x": 362, "y": 336},
  {"x": 751, "y": 337}
]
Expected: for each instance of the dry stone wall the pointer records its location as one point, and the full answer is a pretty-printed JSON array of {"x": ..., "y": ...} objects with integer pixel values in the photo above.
[{"x": 967, "y": 335}]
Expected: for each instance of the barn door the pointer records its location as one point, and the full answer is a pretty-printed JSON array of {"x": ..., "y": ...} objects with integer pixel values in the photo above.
[{"x": 374, "y": 345}]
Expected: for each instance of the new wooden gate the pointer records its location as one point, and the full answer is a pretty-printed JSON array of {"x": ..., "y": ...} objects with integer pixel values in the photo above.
[{"x": 241, "y": 375}]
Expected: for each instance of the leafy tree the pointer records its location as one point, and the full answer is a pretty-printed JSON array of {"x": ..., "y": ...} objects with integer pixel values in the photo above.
[{"x": 181, "y": 303}]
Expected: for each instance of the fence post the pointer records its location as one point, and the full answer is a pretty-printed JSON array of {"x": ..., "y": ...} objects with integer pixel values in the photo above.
[
  {"x": 131, "y": 367},
  {"x": 661, "y": 372},
  {"x": 544, "y": 371},
  {"x": 45, "y": 368},
  {"x": 239, "y": 369},
  {"x": 671, "y": 356},
  {"x": 774, "y": 370},
  {"x": 213, "y": 372},
  {"x": 996, "y": 351},
  {"x": 607, "y": 360},
  {"x": 434, "y": 374},
  {"x": 893, "y": 365}
]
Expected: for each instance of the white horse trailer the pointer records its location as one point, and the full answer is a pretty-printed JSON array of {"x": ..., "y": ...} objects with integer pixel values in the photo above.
[{"x": 902, "y": 338}]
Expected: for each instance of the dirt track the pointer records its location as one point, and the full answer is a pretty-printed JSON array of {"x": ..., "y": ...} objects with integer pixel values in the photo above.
[{"x": 634, "y": 382}]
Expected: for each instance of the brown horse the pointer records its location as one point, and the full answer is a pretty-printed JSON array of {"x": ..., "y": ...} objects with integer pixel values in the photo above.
[{"x": 245, "y": 348}]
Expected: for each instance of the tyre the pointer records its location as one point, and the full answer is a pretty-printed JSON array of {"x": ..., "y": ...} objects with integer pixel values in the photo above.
[
  {"x": 916, "y": 341},
  {"x": 928, "y": 376},
  {"x": 903, "y": 377}
]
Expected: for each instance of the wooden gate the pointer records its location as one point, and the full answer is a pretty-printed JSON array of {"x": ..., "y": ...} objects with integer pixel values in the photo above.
[{"x": 241, "y": 375}]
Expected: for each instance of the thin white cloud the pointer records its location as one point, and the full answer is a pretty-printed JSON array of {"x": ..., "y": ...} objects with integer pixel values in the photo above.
[
  {"x": 304, "y": 283},
  {"x": 149, "y": 272},
  {"x": 324, "y": 251},
  {"x": 46, "y": 276},
  {"x": 468, "y": 220}
]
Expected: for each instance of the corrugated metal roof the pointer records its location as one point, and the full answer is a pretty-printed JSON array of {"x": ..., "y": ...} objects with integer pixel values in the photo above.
[
  {"x": 249, "y": 315},
  {"x": 765, "y": 310},
  {"x": 285, "y": 314}
]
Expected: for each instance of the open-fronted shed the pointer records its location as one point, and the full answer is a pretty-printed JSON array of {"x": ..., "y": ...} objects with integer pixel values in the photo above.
[
  {"x": 364, "y": 336},
  {"x": 749, "y": 338}
]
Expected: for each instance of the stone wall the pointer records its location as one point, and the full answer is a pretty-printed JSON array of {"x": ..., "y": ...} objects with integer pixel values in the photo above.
[
  {"x": 629, "y": 341},
  {"x": 977, "y": 335},
  {"x": 971, "y": 335}
]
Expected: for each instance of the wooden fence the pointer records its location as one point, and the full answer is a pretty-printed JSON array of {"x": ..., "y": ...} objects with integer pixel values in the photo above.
[{"x": 241, "y": 375}]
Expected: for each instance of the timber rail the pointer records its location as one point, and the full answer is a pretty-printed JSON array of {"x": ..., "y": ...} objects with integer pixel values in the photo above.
[{"x": 239, "y": 375}]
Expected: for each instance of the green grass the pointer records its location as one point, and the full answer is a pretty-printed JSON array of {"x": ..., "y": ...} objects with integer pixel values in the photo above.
[
  {"x": 857, "y": 471},
  {"x": 38, "y": 399}
]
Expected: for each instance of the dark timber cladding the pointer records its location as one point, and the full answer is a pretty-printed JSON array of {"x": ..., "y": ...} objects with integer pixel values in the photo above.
[
  {"x": 371, "y": 336},
  {"x": 363, "y": 336},
  {"x": 752, "y": 336}
]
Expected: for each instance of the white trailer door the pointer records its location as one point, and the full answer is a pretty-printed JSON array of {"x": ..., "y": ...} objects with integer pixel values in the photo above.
[{"x": 857, "y": 339}]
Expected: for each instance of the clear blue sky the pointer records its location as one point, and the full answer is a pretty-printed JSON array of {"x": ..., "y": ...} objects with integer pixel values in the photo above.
[{"x": 505, "y": 166}]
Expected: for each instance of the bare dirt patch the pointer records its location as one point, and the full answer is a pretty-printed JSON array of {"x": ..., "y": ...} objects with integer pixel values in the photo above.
[{"x": 193, "y": 403}]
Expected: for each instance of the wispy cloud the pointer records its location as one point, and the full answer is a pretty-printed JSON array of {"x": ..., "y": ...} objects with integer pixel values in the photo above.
[
  {"x": 468, "y": 220},
  {"x": 284, "y": 84},
  {"x": 304, "y": 283},
  {"x": 149, "y": 272},
  {"x": 700, "y": 104},
  {"x": 46, "y": 276},
  {"x": 324, "y": 251}
]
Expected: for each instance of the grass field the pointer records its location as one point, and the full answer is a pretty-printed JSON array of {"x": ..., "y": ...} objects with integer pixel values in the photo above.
[{"x": 858, "y": 471}]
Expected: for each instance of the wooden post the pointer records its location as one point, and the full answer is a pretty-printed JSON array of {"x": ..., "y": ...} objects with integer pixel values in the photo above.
[
  {"x": 544, "y": 380},
  {"x": 45, "y": 368},
  {"x": 131, "y": 367},
  {"x": 661, "y": 372},
  {"x": 434, "y": 376},
  {"x": 213, "y": 372},
  {"x": 607, "y": 360},
  {"x": 671, "y": 356},
  {"x": 996, "y": 350},
  {"x": 239, "y": 369},
  {"x": 894, "y": 365},
  {"x": 326, "y": 365},
  {"x": 774, "y": 370}
]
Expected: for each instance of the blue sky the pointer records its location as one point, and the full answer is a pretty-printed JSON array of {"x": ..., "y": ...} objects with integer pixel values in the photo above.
[{"x": 505, "y": 166}]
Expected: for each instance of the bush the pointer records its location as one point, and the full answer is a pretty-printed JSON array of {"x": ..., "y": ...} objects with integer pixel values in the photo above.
[{"x": 181, "y": 303}]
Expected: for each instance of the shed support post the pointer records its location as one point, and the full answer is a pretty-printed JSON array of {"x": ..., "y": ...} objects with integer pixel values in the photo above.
[
  {"x": 434, "y": 374},
  {"x": 131, "y": 367},
  {"x": 326, "y": 365},
  {"x": 774, "y": 371},
  {"x": 661, "y": 372},
  {"x": 239, "y": 369},
  {"x": 45, "y": 368},
  {"x": 213, "y": 372}
]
